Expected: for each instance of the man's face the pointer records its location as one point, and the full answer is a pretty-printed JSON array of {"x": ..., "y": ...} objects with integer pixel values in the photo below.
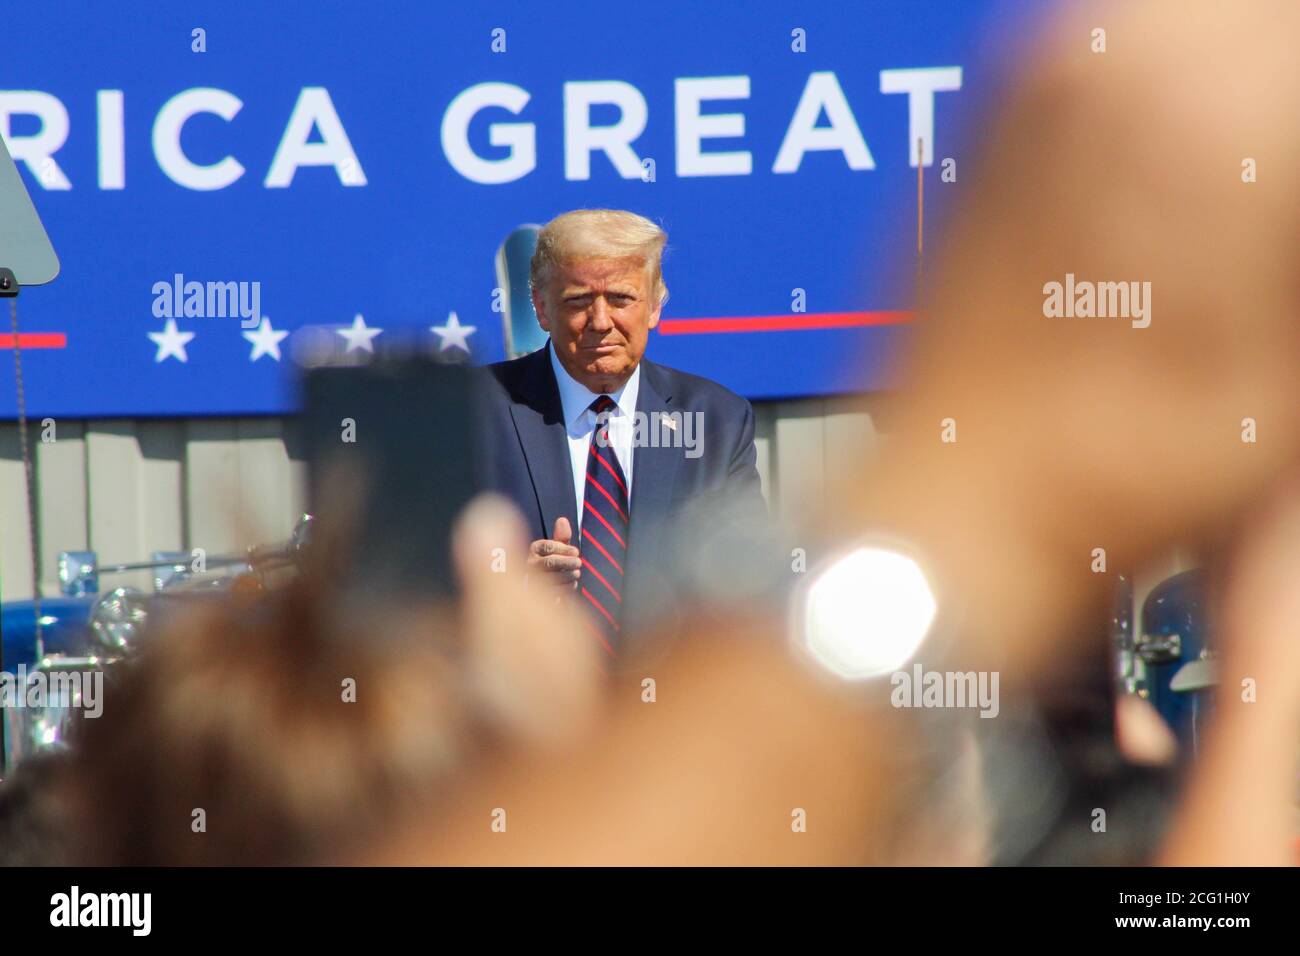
[{"x": 599, "y": 313}]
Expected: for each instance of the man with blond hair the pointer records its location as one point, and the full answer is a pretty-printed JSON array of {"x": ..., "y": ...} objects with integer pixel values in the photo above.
[{"x": 603, "y": 451}]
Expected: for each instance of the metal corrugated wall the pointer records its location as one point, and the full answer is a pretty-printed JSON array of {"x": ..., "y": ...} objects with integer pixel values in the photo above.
[{"x": 125, "y": 488}]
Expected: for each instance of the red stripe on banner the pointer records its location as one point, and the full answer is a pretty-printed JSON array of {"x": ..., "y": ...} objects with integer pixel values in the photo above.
[
  {"x": 35, "y": 340},
  {"x": 783, "y": 323}
]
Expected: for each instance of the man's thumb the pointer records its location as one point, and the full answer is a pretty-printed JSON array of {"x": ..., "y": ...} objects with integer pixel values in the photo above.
[{"x": 562, "y": 531}]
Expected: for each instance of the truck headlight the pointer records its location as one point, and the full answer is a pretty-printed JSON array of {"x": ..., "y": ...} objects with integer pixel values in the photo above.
[{"x": 117, "y": 618}]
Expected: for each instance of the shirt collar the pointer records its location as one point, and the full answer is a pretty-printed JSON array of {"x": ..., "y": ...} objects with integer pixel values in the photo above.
[{"x": 576, "y": 398}]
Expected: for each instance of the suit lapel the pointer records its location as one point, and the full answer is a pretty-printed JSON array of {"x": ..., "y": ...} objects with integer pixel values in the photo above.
[
  {"x": 539, "y": 423},
  {"x": 654, "y": 470}
]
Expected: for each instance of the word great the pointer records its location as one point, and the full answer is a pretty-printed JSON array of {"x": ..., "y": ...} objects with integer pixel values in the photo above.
[{"x": 314, "y": 115}]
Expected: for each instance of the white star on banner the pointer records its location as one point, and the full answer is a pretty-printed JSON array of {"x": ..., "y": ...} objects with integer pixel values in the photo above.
[
  {"x": 359, "y": 336},
  {"x": 266, "y": 341},
  {"x": 171, "y": 342},
  {"x": 453, "y": 333}
]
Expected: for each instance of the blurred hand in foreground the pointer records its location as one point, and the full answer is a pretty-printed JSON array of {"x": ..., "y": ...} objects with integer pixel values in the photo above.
[{"x": 532, "y": 660}]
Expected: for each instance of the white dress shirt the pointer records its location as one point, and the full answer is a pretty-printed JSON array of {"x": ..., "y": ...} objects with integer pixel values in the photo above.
[{"x": 580, "y": 423}]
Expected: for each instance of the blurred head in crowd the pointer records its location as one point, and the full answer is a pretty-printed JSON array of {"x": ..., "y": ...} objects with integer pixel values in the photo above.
[
  {"x": 36, "y": 824},
  {"x": 598, "y": 289},
  {"x": 288, "y": 727},
  {"x": 1075, "y": 432},
  {"x": 256, "y": 730}
]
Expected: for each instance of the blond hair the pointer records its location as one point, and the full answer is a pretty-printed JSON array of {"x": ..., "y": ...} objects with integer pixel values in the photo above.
[{"x": 599, "y": 234}]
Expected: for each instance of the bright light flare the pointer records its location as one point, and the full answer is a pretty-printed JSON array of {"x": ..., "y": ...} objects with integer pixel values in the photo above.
[{"x": 867, "y": 613}]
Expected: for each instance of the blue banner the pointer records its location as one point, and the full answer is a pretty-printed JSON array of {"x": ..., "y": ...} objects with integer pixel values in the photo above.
[{"x": 235, "y": 187}]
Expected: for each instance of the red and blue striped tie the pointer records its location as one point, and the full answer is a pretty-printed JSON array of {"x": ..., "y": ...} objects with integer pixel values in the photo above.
[{"x": 603, "y": 544}]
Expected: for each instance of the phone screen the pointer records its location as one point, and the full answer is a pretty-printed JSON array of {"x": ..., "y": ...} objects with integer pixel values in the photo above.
[{"x": 391, "y": 452}]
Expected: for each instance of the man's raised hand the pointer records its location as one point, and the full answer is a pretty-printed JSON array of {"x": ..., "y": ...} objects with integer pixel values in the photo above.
[{"x": 555, "y": 559}]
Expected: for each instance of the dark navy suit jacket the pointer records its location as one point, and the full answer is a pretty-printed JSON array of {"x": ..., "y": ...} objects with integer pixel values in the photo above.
[{"x": 527, "y": 460}]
